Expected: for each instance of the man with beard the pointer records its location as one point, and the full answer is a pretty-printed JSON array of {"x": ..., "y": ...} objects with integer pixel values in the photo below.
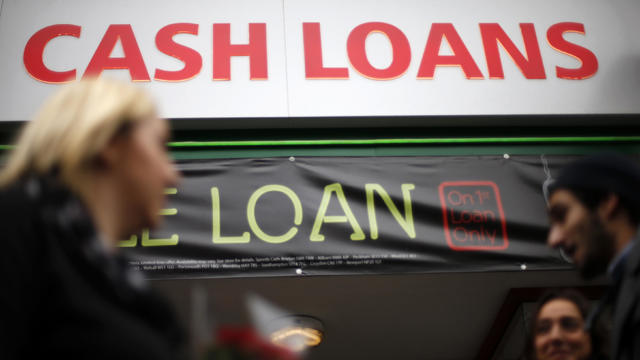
[{"x": 594, "y": 212}]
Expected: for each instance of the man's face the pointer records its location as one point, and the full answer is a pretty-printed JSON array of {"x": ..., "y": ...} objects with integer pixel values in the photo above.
[{"x": 580, "y": 233}]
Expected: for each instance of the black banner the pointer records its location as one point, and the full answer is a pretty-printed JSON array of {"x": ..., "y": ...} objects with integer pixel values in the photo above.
[{"x": 342, "y": 215}]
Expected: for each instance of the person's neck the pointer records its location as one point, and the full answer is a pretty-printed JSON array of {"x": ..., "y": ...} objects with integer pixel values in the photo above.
[
  {"x": 102, "y": 201},
  {"x": 624, "y": 232}
]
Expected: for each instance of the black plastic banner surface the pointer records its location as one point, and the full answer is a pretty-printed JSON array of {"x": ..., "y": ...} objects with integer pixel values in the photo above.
[{"x": 346, "y": 215}]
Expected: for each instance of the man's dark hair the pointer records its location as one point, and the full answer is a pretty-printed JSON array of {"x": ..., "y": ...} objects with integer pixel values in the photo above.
[
  {"x": 593, "y": 178},
  {"x": 591, "y": 198}
]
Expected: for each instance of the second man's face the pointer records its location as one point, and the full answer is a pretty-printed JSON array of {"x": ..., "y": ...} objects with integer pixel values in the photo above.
[{"x": 579, "y": 232}]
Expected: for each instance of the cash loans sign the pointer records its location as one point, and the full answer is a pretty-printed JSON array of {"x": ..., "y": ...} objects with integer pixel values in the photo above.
[{"x": 528, "y": 59}]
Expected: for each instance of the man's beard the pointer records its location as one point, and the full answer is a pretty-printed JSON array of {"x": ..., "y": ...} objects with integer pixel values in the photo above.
[{"x": 599, "y": 249}]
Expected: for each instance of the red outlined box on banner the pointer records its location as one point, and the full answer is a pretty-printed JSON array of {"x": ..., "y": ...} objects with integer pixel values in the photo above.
[{"x": 472, "y": 215}]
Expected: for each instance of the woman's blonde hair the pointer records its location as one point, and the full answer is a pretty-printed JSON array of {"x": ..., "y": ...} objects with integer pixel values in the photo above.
[{"x": 73, "y": 127}]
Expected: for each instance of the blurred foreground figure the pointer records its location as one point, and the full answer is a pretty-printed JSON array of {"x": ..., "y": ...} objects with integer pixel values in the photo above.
[
  {"x": 594, "y": 211},
  {"x": 88, "y": 171},
  {"x": 557, "y": 330}
]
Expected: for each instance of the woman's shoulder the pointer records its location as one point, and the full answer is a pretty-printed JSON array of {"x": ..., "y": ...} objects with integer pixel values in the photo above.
[
  {"x": 17, "y": 200},
  {"x": 33, "y": 191},
  {"x": 28, "y": 207}
]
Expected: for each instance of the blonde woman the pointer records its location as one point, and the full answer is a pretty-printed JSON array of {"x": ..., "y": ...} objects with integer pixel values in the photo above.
[{"x": 87, "y": 172}]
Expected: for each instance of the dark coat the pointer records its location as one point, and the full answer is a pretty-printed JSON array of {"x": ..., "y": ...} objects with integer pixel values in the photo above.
[
  {"x": 626, "y": 318},
  {"x": 63, "y": 295}
]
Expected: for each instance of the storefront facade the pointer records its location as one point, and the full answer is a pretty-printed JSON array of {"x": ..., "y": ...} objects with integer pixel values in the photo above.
[{"x": 403, "y": 139}]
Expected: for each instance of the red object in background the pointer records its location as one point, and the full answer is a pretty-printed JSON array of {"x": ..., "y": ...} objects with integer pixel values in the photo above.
[
  {"x": 256, "y": 50},
  {"x": 473, "y": 217},
  {"x": 34, "y": 52},
  {"x": 190, "y": 57},
  {"x": 132, "y": 59},
  {"x": 244, "y": 343}
]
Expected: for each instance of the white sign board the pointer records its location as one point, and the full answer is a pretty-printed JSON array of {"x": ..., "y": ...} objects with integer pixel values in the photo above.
[{"x": 331, "y": 58}]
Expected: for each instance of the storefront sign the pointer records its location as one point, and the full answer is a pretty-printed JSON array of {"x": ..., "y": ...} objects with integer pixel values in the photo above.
[
  {"x": 286, "y": 216},
  {"x": 268, "y": 58},
  {"x": 492, "y": 34}
]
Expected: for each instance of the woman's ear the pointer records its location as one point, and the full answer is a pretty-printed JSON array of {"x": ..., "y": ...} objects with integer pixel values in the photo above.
[{"x": 111, "y": 155}]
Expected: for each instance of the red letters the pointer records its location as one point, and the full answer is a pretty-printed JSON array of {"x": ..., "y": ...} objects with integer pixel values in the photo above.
[
  {"x": 493, "y": 37},
  {"x": 132, "y": 59},
  {"x": 586, "y": 57},
  {"x": 33, "y": 51},
  {"x": 256, "y": 50},
  {"x": 313, "y": 67},
  {"x": 191, "y": 58},
  {"x": 492, "y": 34},
  {"x": 358, "y": 55},
  {"x": 461, "y": 56}
]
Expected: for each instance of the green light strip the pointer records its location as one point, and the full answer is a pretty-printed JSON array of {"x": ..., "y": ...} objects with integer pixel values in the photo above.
[
  {"x": 432, "y": 141},
  {"x": 456, "y": 141}
]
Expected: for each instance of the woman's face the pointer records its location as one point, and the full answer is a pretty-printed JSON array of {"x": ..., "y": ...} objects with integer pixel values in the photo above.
[
  {"x": 145, "y": 172},
  {"x": 559, "y": 332}
]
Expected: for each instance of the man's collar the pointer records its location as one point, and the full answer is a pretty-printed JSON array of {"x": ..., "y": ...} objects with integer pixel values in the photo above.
[{"x": 616, "y": 267}]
